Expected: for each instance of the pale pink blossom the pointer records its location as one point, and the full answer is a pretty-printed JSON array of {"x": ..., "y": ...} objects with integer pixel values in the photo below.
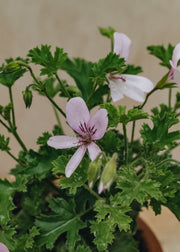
[
  {"x": 121, "y": 85},
  {"x": 174, "y": 62},
  {"x": 89, "y": 128},
  {"x": 3, "y": 248}
]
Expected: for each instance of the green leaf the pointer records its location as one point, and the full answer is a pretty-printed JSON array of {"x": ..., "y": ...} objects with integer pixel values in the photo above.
[
  {"x": 119, "y": 115},
  {"x": 63, "y": 220},
  {"x": 113, "y": 114},
  {"x": 4, "y": 143},
  {"x": 51, "y": 63},
  {"x": 132, "y": 115},
  {"x": 123, "y": 242},
  {"x": 112, "y": 62},
  {"x": 159, "y": 136},
  {"x": 103, "y": 232},
  {"x": 6, "y": 201},
  {"x": 59, "y": 164},
  {"x": 80, "y": 71},
  {"x": 6, "y": 237},
  {"x": 107, "y": 32},
  {"x": 174, "y": 203},
  {"x": 131, "y": 69},
  {"x": 134, "y": 188},
  {"x": 44, "y": 138},
  {"x": 115, "y": 213},
  {"x": 77, "y": 179},
  {"x": 165, "y": 55}
]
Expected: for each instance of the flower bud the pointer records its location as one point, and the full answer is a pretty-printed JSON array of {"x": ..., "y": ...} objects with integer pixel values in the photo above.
[
  {"x": 108, "y": 174},
  {"x": 12, "y": 67},
  {"x": 27, "y": 97},
  {"x": 94, "y": 170}
]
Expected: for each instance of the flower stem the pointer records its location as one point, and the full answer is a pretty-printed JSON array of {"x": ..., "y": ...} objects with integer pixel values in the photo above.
[
  {"x": 19, "y": 140},
  {"x": 11, "y": 100},
  {"x": 39, "y": 83},
  {"x": 54, "y": 104},
  {"x": 8, "y": 128},
  {"x": 170, "y": 97},
  {"x": 57, "y": 118},
  {"x": 62, "y": 86},
  {"x": 125, "y": 144},
  {"x": 11, "y": 155},
  {"x": 91, "y": 191},
  {"x": 133, "y": 130}
]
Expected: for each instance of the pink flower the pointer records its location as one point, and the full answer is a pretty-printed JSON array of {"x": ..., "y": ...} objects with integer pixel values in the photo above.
[
  {"x": 174, "y": 62},
  {"x": 132, "y": 86},
  {"x": 3, "y": 248},
  {"x": 90, "y": 128}
]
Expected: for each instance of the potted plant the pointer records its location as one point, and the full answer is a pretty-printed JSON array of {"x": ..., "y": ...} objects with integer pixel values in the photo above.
[{"x": 84, "y": 192}]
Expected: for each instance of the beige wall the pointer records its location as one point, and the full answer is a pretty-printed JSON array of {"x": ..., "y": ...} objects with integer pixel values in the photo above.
[{"x": 72, "y": 24}]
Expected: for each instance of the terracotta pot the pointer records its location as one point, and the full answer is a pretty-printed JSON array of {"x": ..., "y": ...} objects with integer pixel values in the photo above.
[{"x": 150, "y": 240}]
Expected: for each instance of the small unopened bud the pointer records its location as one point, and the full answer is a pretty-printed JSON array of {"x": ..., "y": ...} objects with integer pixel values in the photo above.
[
  {"x": 12, "y": 67},
  {"x": 108, "y": 174},
  {"x": 94, "y": 170},
  {"x": 27, "y": 97}
]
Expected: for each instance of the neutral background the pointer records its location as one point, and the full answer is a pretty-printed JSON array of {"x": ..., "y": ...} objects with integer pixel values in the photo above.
[{"x": 73, "y": 25}]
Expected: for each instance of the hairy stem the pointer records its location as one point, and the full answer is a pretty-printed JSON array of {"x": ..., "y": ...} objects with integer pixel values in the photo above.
[
  {"x": 91, "y": 191},
  {"x": 62, "y": 86},
  {"x": 125, "y": 144},
  {"x": 11, "y": 99}
]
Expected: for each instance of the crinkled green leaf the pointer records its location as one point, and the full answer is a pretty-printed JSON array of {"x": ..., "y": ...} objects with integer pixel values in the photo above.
[
  {"x": 6, "y": 201},
  {"x": 112, "y": 62},
  {"x": 51, "y": 63},
  {"x": 64, "y": 220},
  {"x": 134, "y": 188},
  {"x": 159, "y": 136},
  {"x": 113, "y": 114},
  {"x": 165, "y": 55},
  {"x": 77, "y": 179},
  {"x": 131, "y": 69},
  {"x": 103, "y": 232},
  {"x": 115, "y": 213},
  {"x": 80, "y": 71}
]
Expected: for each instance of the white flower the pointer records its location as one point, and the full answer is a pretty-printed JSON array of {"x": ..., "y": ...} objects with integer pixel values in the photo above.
[{"x": 121, "y": 85}]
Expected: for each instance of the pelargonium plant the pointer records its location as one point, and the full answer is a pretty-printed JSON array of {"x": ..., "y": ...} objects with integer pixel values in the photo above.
[{"x": 83, "y": 192}]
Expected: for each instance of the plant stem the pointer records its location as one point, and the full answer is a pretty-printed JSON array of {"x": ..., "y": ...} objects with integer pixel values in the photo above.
[
  {"x": 168, "y": 160},
  {"x": 91, "y": 191},
  {"x": 11, "y": 99},
  {"x": 19, "y": 140},
  {"x": 170, "y": 96},
  {"x": 54, "y": 104},
  {"x": 133, "y": 130},
  {"x": 62, "y": 86},
  {"x": 5, "y": 125},
  {"x": 57, "y": 118},
  {"x": 125, "y": 144},
  {"x": 40, "y": 84},
  {"x": 10, "y": 154}
]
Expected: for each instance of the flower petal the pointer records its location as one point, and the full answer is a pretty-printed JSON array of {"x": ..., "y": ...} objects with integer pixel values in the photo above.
[
  {"x": 140, "y": 82},
  {"x": 63, "y": 142},
  {"x": 93, "y": 150},
  {"x": 75, "y": 161},
  {"x": 116, "y": 90},
  {"x": 122, "y": 45},
  {"x": 175, "y": 56},
  {"x": 132, "y": 86},
  {"x": 3, "y": 248},
  {"x": 98, "y": 122},
  {"x": 77, "y": 114}
]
